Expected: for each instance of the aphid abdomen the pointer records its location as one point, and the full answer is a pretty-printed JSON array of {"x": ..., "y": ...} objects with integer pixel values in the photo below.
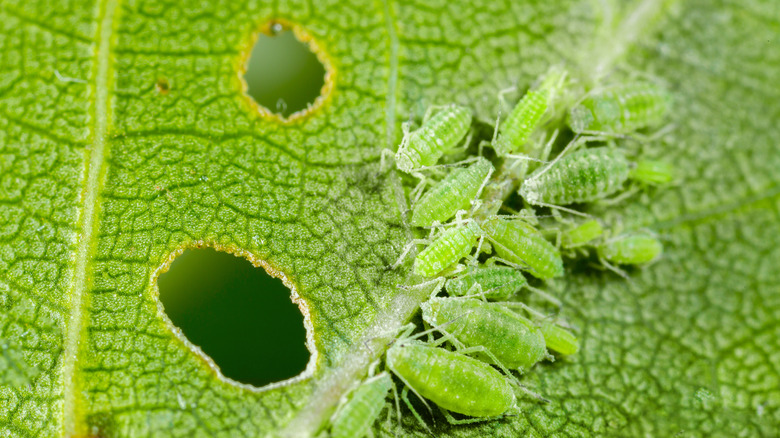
[
  {"x": 559, "y": 339},
  {"x": 498, "y": 282},
  {"x": 652, "y": 172},
  {"x": 582, "y": 234},
  {"x": 453, "y": 193},
  {"x": 354, "y": 418},
  {"x": 443, "y": 131},
  {"x": 453, "y": 381},
  {"x": 583, "y": 176},
  {"x": 522, "y": 121},
  {"x": 514, "y": 340},
  {"x": 520, "y": 243},
  {"x": 632, "y": 249},
  {"x": 451, "y": 246}
]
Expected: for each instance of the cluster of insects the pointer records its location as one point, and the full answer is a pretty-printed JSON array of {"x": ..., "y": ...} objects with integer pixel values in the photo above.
[{"x": 495, "y": 224}]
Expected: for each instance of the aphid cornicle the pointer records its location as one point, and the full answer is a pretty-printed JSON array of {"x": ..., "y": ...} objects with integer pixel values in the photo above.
[
  {"x": 582, "y": 234},
  {"x": 495, "y": 282},
  {"x": 582, "y": 176},
  {"x": 630, "y": 249},
  {"x": 516, "y": 342},
  {"x": 455, "y": 192},
  {"x": 354, "y": 417},
  {"x": 620, "y": 109},
  {"x": 520, "y": 243},
  {"x": 453, "y": 381},
  {"x": 438, "y": 134},
  {"x": 526, "y": 116},
  {"x": 452, "y": 245},
  {"x": 559, "y": 339}
]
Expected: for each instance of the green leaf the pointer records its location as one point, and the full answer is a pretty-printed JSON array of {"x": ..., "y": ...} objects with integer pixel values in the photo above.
[{"x": 103, "y": 178}]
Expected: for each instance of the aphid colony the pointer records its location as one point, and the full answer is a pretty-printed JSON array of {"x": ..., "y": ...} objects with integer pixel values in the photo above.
[{"x": 481, "y": 336}]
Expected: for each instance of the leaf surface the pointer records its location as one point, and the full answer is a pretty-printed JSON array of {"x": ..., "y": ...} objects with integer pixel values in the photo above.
[{"x": 103, "y": 178}]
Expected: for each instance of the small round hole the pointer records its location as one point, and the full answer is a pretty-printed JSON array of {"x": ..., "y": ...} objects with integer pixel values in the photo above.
[
  {"x": 283, "y": 74},
  {"x": 240, "y": 316}
]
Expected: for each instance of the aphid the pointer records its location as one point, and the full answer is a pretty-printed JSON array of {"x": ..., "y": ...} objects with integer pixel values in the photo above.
[
  {"x": 452, "y": 380},
  {"x": 652, "y": 172},
  {"x": 620, "y": 109},
  {"x": 438, "y": 134},
  {"x": 452, "y": 245},
  {"x": 630, "y": 249},
  {"x": 494, "y": 282},
  {"x": 354, "y": 417},
  {"x": 453, "y": 193},
  {"x": 583, "y": 176},
  {"x": 520, "y": 243},
  {"x": 582, "y": 234},
  {"x": 559, "y": 339},
  {"x": 527, "y": 115},
  {"x": 514, "y": 341}
]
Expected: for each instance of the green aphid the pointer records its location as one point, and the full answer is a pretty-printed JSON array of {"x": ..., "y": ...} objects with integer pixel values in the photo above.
[
  {"x": 582, "y": 234},
  {"x": 452, "y": 245},
  {"x": 453, "y": 193},
  {"x": 516, "y": 342},
  {"x": 453, "y": 381},
  {"x": 582, "y": 176},
  {"x": 528, "y": 114},
  {"x": 359, "y": 411},
  {"x": 651, "y": 172},
  {"x": 495, "y": 282},
  {"x": 559, "y": 339},
  {"x": 437, "y": 135},
  {"x": 620, "y": 109},
  {"x": 630, "y": 249},
  {"x": 520, "y": 243}
]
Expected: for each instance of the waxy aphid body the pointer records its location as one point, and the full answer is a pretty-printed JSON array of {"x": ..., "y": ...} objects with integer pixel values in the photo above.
[
  {"x": 355, "y": 417},
  {"x": 582, "y": 234},
  {"x": 583, "y": 176},
  {"x": 453, "y": 193},
  {"x": 528, "y": 113},
  {"x": 652, "y": 172},
  {"x": 514, "y": 340},
  {"x": 630, "y": 249},
  {"x": 521, "y": 244},
  {"x": 620, "y": 109},
  {"x": 496, "y": 282},
  {"x": 442, "y": 132},
  {"x": 453, "y": 381},
  {"x": 452, "y": 245},
  {"x": 559, "y": 339}
]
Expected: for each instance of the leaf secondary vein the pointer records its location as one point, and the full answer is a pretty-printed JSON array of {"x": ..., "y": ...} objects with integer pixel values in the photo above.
[{"x": 95, "y": 170}]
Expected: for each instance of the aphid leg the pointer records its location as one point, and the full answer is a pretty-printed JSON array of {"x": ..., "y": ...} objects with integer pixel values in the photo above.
[
  {"x": 452, "y": 420},
  {"x": 614, "y": 268},
  {"x": 433, "y": 109},
  {"x": 545, "y": 296},
  {"x": 397, "y": 406},
  {"x": 501, "y": 100},
  {"x": 619, "y": 198},
  {"x": 406, "y": 250},
  {"x": 405, "y": 397},
  {"x": 526, "y": 307},
  {"x": 567, "y": 210}
]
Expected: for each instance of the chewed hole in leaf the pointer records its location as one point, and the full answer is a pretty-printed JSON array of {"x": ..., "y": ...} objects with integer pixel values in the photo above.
[
  {"x": 239, "y": 315},
  {"x": 283, "y": 74}
]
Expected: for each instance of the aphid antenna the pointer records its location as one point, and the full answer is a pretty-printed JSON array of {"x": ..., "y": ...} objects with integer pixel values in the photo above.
[
  {"x": 527, "y": 391},
  {"x": 527, "y": 308},
  {"x": 567, "y": 210},
  {"x": 573, "y": 144},
  {"x": 406, "y": 250},
  {"x": 545, "y": 296},
  {"x": 435, "y": 108},
  {"x": 450, "y": 165}
]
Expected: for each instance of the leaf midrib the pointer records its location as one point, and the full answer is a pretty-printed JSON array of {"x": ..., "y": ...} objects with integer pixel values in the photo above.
[{"x": 95, "y": 170}]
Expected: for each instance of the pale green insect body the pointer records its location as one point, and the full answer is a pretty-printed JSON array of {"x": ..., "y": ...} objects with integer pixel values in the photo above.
[
  {"x": 621, "y": 109},
  {"x": 631, "y": 249},
  {"x": 496, "y": 282},
  {"x": 652, "y": 172},
  {"x": 521, "y": 244},
  {"x": 526, "y": 116},
  {"x": 453, "y": 381},
  {"x": 583, "y": 176},
  {"x": 514, "y": 340},
  {"x": 356, "y": 415},
  {"x": 452, "y": 245},
  {"x": 582, "y": 234},
  {"x": 442, "y": 132},
  {"x": 455, "y": 192},
  {"x": 559, "y": 339}
]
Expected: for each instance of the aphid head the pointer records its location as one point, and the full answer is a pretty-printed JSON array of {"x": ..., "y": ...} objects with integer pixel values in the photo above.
[{"x": 403, "y": 160}]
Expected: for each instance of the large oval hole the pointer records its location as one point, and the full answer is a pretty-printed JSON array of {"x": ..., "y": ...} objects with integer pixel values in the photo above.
[
  {"x": 240, "y": 316},
  {"x": 283, "y": 74}
]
